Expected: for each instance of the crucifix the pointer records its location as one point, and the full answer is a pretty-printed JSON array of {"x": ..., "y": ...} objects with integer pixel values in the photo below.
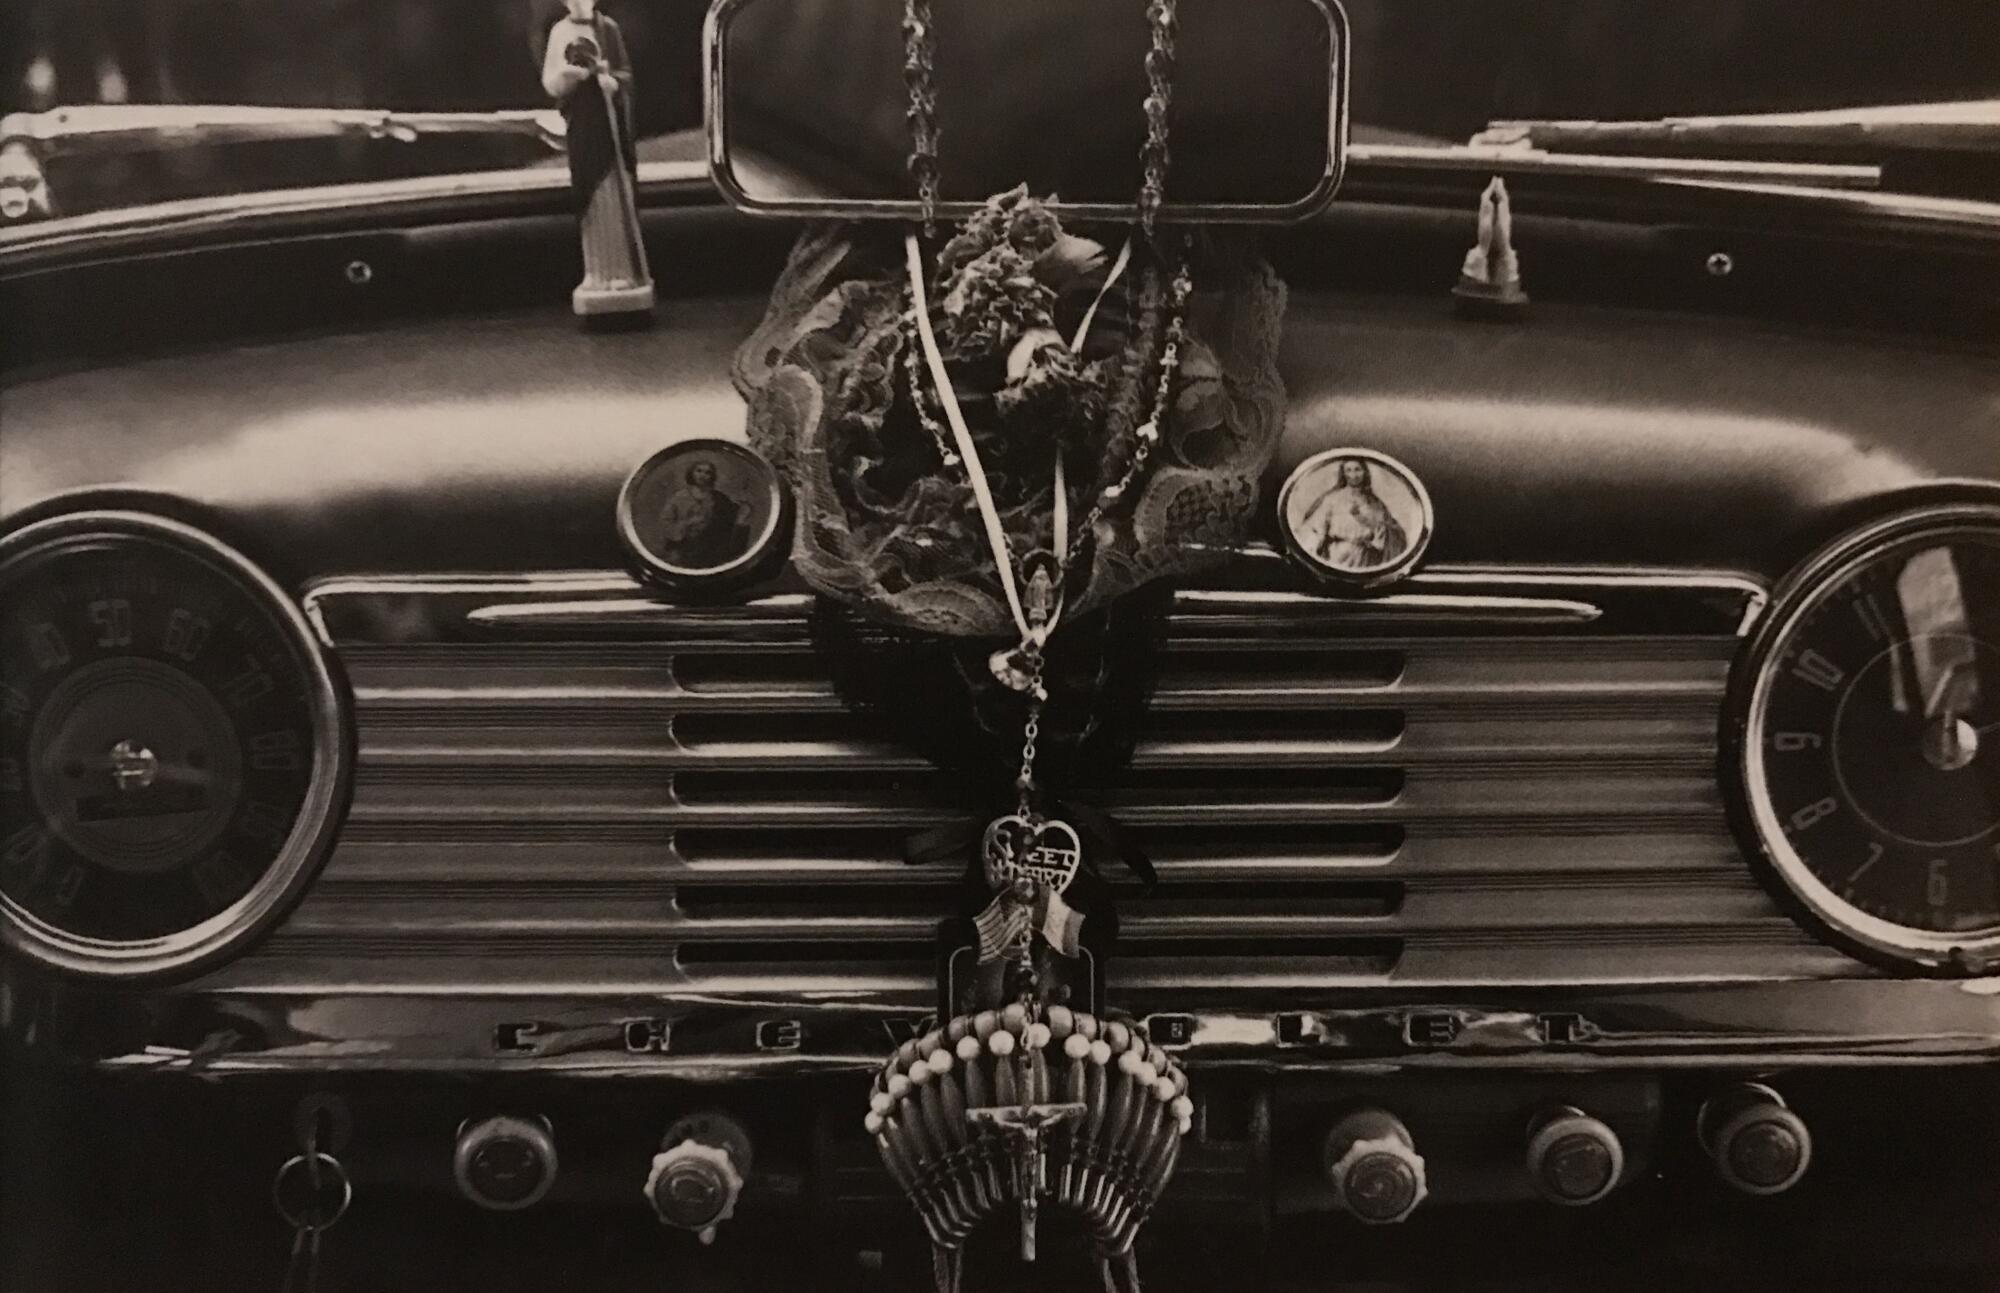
[{"x": 1023, "y": 1125}]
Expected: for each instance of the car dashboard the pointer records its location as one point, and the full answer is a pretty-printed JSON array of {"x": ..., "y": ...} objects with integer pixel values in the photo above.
[{"x": 611, "y": 869}]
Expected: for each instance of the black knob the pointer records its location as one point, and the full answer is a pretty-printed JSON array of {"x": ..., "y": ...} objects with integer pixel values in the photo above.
[
  {"x": 1374, "y": 1168},
  {"x": 1573, "y": 1158},
  {"x": 505, "y": 1163},
  {"x": 1758, "y": 1144}
]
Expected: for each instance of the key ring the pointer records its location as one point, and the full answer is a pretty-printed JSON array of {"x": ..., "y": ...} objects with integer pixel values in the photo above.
[{"x": 313, "y": 1165}]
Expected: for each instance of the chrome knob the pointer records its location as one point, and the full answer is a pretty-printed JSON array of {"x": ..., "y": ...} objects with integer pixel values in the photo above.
[
  {"x": 698, "y": 1174},
  {"x": 1374, "y": 1168},
  {"x": 504, "y": 1163},
  {"x": 1758, "y": 1144},
  {"x": 1573, "y": 1159}
]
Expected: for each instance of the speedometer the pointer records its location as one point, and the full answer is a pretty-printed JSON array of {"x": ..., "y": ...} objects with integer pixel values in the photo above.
[
  {"x": 171, "y": 745},
  {"x": 1870, "y": 750}
]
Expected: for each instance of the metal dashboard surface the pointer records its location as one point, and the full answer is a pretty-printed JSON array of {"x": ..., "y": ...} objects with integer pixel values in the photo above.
[{"x": 1581, "y": 437}]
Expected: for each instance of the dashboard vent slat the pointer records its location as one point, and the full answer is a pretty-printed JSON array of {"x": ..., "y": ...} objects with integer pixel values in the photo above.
[{"x": 1334, "y": 795}]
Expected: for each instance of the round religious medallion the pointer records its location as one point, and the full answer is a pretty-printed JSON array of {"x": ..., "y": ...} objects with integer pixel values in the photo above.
[
  {"x": 1355, "y": 517},
  {"x": 704, "y": 516}
]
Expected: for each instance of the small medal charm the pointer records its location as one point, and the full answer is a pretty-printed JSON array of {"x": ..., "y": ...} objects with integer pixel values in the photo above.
[
  {"x": 1043, "y": 577},
  {"x": 1012, "y": 669}
]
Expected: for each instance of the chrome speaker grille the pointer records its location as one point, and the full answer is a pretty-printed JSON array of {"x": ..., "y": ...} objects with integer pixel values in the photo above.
[{"x": 575, "y": 789}]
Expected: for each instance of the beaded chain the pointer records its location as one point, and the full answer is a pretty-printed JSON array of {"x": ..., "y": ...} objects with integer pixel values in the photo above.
[
  {"x": 1159, "y": 100},
  {"x": 913, "y": 367},
  {"x": 1148, "y": 434},
  {"x": 919, "y": 71},
  {"x": 920, "y": 79}
]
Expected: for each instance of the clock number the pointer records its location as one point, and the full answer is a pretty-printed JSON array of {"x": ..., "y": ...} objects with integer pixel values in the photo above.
[
  {"x": 1872, "y": 619},
  {"x": 1793, "y": 742},
  {"x": 45, "y": 640},
  {"x": 1818, "y": 670},
  {"x": 113, "y": 618},
  {"x": 1875, "y": 852},
  {"x": 13, "y": 704},
  {"x": 187, "y": 634},
  {"x": 1937, "y": 888},
  {"x": 1811, "y": 813}
]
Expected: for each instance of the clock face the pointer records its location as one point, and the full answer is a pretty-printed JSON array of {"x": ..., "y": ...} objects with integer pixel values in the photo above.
[{"x": 1872, "y": 751}]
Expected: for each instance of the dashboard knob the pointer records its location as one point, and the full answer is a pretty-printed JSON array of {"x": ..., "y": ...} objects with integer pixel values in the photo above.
[
  {"x": 505, "y": 1163},
  {"x": 1573, "y": 1159},
  {"x": 1373, "y": 1166},
  {"x": 698, "y": 1173},
  {"x": 1758, "y": 1144}
]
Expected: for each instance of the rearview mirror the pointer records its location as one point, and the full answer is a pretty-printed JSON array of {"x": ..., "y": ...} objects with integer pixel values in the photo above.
[{"x": 806, "y": 106}]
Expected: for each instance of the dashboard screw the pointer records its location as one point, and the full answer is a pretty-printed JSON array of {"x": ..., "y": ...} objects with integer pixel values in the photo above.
[
  {"x": 1721, "y": 264},
  {"x": 359, "y": 272}
]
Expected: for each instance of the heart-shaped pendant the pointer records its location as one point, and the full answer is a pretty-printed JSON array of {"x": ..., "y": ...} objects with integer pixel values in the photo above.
[{"x": 1047, "y": 852}]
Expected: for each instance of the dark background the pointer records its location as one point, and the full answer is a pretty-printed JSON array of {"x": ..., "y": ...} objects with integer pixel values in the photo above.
[{"x": 1431, "y": 67}]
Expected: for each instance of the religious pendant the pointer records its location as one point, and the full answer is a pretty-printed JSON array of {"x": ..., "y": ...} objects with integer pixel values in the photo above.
[
  {"x": 1026, "y": 1105},
  {"x": 1012, "y": 669},
  {"x": 1043, "y": 576}
]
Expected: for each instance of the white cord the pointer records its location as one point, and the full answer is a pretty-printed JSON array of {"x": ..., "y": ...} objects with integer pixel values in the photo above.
[
  {"x": 996, "y": 534},
  {"x": 982, "y": 493}
]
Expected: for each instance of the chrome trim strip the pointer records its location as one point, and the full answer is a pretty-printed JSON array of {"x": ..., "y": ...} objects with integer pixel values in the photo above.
[
  {"x": 1715, "y": 1025},
  {"x": 312, "y": 835},
  {"x": 622, "y": 612},
  {"x": 611, "y": 600}
]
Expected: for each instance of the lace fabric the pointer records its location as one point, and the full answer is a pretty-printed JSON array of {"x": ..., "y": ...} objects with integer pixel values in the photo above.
[{"x": 884, "y": 529}]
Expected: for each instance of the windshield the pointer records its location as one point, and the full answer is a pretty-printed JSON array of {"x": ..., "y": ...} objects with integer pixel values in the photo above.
[{"x": 1425, "y": 73}]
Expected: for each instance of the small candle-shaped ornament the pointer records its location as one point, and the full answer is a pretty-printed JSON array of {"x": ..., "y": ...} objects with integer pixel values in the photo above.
[{"x": 588, "y": 73}]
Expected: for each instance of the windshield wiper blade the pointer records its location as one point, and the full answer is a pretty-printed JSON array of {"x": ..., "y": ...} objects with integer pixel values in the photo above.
[
  {"x": 30, "y": 140},
  {"x": 1968, "y": 126},
  {"x": 1524, "y": 158},
  {"x": 122, "y": 127}
]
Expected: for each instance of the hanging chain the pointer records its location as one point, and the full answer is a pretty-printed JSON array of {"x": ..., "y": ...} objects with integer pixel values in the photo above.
[
  {"x": 920, "y": 79},
  {"x": 919, "y": 76},
  {"x": 1153, "y": 156},
  {"x": 1031, "y": 731},
  {"x": 919, "y": 392},
  {"x": 1148, "y": 434}
]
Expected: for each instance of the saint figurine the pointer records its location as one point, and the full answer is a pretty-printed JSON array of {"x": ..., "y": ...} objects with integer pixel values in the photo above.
[
  {"x": 1349, "y": 527},
  {"x": 587, "y": 71}
]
